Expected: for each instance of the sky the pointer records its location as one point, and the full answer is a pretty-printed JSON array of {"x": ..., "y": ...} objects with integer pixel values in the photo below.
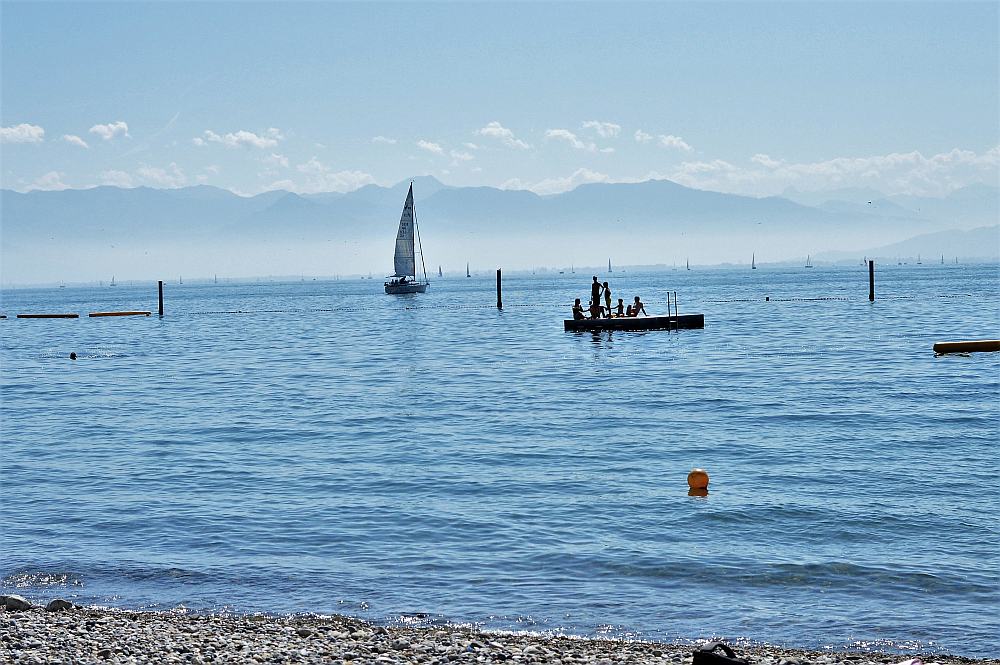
[{"x": 749, "y": 98}]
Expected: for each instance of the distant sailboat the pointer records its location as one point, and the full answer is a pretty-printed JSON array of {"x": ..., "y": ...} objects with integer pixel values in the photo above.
[
  {"x": 609, "y": 266},
  {"x": 572, "y": 270},
  {"x": 808, "y": 262},
  {"x": 440, "y": 274},
  {"x": 113, "y": 281},
  {"x": 753, "y": 261},
  {"x": 180, "y": 279},
  {"x": 919, "y": 262},
  {"x": 404, "y": 277},
  {"x": 942, "y": 259},
  {"x": 687, "y": 264},
  {"x": 467, "y": 273},
  {"x": 216, "y": 279}
]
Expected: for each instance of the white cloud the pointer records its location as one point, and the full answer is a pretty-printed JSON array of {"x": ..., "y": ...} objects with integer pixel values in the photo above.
[
  {"x": 430, "y": 147},
  {"x": 471, "y": 146},
  {"x": 383, "y": 139},
  {"x": 116, "y": 179},
  {"x": 239, "y": 138},
  {"x": 605, "y": 130},
  {"x": 460, "y": 156},
  {"x": 674, "y": 142},
  {"x": 170, "y": 177},
  {"x": 321, "y": 178},
  {"x": 765, "y": 161},
  {"x": 75, "y": 140},
  {"x": 51, "y": 181},
  {"x": 498, "y": 131},
  {"x": 558, "y": 185},
  {"x": 894, "y": 173},
  {"x": 668, "y": 141},
  {"x": 110, "y": 130},
  {"x": 573, "y": 140},
  {"x": 275, "y": 160},
  {"x": 23, "y": 133},
  {"x": 214, "y": 169}
]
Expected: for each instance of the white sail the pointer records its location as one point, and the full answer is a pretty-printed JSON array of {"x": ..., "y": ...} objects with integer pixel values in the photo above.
[{"x": 404, "y": 260}]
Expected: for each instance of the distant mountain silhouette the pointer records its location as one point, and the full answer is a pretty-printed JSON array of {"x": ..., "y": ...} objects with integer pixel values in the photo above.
[
  {"x": 981, "y": 243},
  {"x": 198, "y": 225}
]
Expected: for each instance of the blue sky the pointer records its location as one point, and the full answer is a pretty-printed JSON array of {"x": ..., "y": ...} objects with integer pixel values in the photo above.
[{"x": 740, "y": 97}]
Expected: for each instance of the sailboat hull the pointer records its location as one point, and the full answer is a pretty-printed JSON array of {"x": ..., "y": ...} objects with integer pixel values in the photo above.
[{"x": 398, "y": 289}]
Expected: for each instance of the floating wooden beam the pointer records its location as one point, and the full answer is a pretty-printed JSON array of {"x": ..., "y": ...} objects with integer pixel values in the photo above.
[
  {"x": 968, "y": 346},
  {"x": 48, "y": 316},
  {"x": 92, "y": 314}
]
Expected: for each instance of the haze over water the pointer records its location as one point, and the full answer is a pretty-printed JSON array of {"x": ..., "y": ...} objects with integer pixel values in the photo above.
[{"x": 332, "y": 449}]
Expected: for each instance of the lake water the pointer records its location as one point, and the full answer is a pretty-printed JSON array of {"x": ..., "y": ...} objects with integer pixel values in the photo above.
[{"x": 332, "y": 449}]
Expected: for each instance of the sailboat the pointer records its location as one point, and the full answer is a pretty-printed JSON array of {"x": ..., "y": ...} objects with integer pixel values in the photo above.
[
  {"x": 467, "y": 269},
  {"x": 113, "y": 281},
  {"x": 808, "y": 262},
  {"x": 404, "y": 278},
  {"x": 919, "y": 262},
  {"x": 753, "y": 262},
  {"x": 687, "y": 264},
  {"x": 942, "y": 259},
  {"x": 609, "y": 266},
  {"x": 440, "y": 274}
]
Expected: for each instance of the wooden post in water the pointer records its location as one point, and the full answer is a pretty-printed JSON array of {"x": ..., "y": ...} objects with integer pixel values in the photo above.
[
  {"x": 160, "y": 290},
  {"x": 499, "y": 298},
  {"x": 871, "y": 280}
]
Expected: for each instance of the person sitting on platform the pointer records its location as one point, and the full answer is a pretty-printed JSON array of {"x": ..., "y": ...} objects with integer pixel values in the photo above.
[
  {"x": 637, "y": 307},
  {"x": 620, "y": 310},
  {"x": 596, "y": 311},
  {"x": 578, "y": 311}
]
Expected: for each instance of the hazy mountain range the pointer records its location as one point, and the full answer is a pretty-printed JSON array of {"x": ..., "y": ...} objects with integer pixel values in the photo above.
[{"x": 142, "y": 232}]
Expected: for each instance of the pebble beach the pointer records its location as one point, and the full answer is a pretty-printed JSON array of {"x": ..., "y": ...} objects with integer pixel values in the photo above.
[{"x": 77, "y": 635}]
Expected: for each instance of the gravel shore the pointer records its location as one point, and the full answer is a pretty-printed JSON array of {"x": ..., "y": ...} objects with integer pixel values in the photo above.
[{"x": 111, "y": 636}]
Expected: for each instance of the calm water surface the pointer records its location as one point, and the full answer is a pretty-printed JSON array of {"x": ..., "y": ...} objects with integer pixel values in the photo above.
[{"x": 321, "y": 447}]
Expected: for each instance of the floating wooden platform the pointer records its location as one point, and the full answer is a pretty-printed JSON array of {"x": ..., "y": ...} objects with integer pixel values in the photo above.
[
  {"x": 48, "y": 316},
  {"x": 685, "y": 321},
  {"x": 968, "y": 346},
  {"x": 92, "y": 314}
]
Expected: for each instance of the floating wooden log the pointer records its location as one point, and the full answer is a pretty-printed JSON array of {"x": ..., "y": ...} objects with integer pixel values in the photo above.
[
  {"x": 686, "y": 321},
  {"x": 92, "y": 314},
  {"x": 48, "y": 316},
  {"x": 968, "y": 346}
]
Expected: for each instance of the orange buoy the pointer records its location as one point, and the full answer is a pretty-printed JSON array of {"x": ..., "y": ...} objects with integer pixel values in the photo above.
[{"x": 698, "y": 479}]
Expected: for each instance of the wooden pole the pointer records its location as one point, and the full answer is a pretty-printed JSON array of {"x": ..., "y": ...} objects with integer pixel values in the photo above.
[
  {"x": 871, "y": 280},
  {"x": 160, "y": 290},
  {"x": 499, "y": 298}
]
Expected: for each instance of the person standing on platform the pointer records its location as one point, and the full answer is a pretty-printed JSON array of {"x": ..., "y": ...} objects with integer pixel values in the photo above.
[
  {"x": 607, "y": 300},
  {"x": 595, "y": 292}
]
